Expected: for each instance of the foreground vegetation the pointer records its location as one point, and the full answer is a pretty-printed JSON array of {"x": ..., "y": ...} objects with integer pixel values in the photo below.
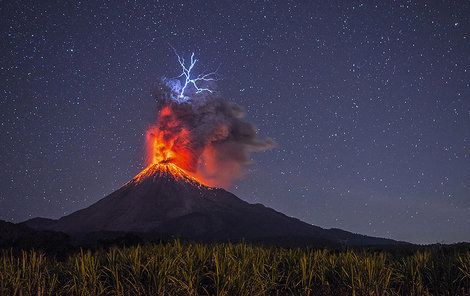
[{"x": 234, "y": 269}]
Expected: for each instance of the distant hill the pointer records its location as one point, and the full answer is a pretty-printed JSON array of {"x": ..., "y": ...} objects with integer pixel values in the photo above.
[{"x": 21, "y": 237}]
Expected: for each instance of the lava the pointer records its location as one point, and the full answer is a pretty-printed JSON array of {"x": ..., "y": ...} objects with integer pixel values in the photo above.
[
  {"x": 169, "y": 147},
  {"x": 165, "y": 170}
]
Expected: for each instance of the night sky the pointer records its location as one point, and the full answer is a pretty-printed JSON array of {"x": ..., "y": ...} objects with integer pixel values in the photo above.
[{"x": 369, "y": 103}]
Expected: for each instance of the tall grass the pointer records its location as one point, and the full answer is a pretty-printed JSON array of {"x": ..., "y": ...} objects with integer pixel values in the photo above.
[
  {"x": 29, "y": 273},
  {"x": 234, "y": 269}
]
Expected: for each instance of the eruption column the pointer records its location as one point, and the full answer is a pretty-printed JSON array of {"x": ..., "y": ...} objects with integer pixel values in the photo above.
[{"x": 205, "y": 137}]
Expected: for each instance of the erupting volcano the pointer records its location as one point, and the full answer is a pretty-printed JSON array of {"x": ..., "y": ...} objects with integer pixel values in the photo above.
[
  {"x": 206, "y": 138},
  {"x": 198, "y": 144}
]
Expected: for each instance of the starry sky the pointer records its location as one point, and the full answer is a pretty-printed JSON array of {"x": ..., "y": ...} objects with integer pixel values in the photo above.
[{"x": 369, "y": 103}]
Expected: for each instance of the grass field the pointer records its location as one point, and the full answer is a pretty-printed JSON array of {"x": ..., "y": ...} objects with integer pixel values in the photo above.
[{"x": 234, "y": 269}]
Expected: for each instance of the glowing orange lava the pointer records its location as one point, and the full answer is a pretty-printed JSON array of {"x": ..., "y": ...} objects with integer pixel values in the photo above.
[
  {"x": 162, "y": 169},
  {"x": 169, "y": 148}
]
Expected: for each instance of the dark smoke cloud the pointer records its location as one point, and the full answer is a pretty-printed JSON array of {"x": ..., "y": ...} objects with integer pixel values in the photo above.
[{"x": 222, "y": 140}]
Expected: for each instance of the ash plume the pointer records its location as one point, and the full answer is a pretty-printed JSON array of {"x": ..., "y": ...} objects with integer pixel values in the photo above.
[{"x": 210, "y": 137}]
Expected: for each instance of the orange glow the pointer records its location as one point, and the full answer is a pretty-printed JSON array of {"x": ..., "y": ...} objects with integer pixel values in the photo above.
[
  {"x": 162, "y": 169},
  {"x": 169, "y": 148}
]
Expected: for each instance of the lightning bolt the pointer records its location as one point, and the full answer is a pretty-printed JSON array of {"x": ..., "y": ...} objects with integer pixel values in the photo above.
[{"x": 193, "y": 81}]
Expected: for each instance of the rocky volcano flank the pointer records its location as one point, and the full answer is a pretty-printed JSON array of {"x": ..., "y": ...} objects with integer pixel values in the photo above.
[{"x": 164, "y": 199}]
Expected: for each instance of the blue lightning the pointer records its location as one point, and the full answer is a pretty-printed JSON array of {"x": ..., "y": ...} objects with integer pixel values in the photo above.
[{"x": 193, "y": 81}]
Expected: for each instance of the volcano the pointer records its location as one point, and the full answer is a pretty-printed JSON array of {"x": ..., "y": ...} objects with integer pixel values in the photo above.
[
  {"x": 192, "y": 150},
  {"x": 164, "y": 199}
]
